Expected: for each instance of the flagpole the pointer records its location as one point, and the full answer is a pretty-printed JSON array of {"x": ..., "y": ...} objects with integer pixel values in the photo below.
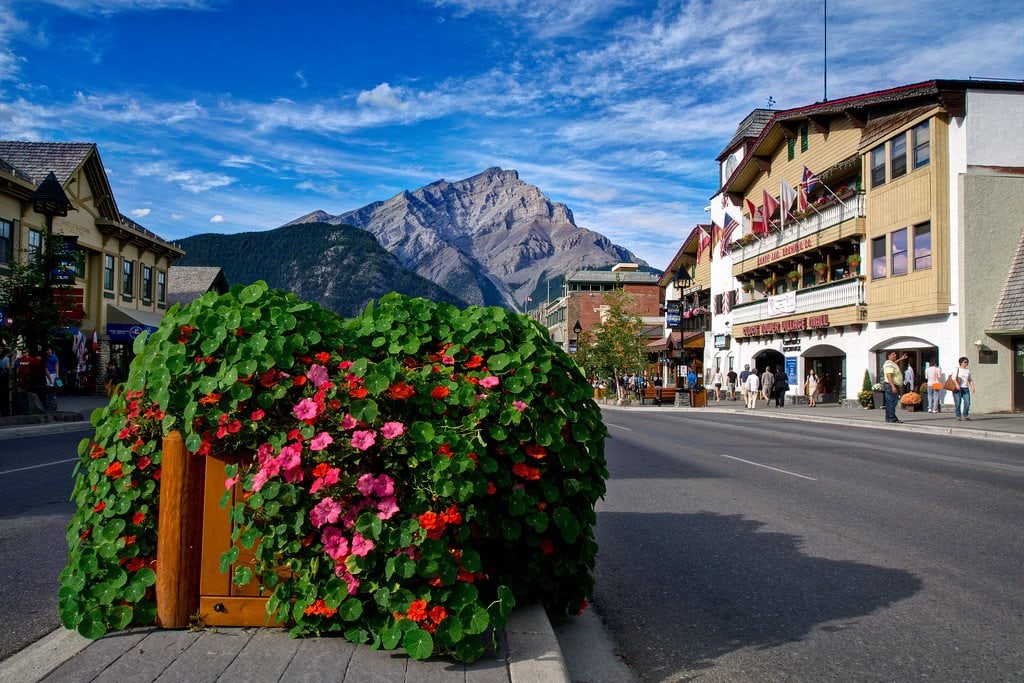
[{"x": 824, "y": 40}]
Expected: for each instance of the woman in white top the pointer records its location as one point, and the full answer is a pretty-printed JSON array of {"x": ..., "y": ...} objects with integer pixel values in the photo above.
[
  {"x": 962, "y": 398},
  {"x": 717, "y": 380},
  {"x": 811, "y": 388},
  {"x": 933, "y": 378}
]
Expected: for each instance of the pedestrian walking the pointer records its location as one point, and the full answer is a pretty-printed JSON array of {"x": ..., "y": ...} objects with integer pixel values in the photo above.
[
  {"x": 811, "y": 388},
  {"x": 962, "y": 396},
  {"x": 751, "y": 387},
  {"x": 730, "y": 378},
  {"x": 717, "y": 380},
  {"x": 780, "y": 386},
  {"x": 933, "y": 378},
  {"x": 767, "y": 384},
  {"x": 744, "y": 390}
]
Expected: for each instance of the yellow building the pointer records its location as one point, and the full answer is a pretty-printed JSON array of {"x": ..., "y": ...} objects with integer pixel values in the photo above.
[
  {"x": 913, "y": 198},
  {"x": 121, "y": 277}
]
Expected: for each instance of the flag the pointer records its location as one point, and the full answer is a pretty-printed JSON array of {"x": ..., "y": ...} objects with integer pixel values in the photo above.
[
  {"x": 770, "y": 207},
  {"x": 808, "y": 182},
  {"x": 727, "y": 230},
  {"x": 756, "y": 220},
  {"x": 703, "y": 241},
  {"x": 787, "y": 195}
]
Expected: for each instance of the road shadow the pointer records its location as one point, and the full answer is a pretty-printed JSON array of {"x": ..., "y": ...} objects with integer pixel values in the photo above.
[{"x": 690, "y": 588}]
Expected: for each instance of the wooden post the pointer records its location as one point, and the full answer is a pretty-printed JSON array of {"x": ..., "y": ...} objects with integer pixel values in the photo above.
[{"x": 179, "y": 533}]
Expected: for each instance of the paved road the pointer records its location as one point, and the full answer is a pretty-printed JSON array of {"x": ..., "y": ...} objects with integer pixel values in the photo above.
[
  {"x": 740, "y": 550},
  {"x": 35, "y": 487}
]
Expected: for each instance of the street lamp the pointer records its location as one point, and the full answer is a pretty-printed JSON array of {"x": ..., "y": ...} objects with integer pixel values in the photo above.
[{"x": 575, "y": 344}]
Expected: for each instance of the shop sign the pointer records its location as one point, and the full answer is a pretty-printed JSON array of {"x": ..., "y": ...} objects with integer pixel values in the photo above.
[
  {"x": 791, "y": 371},
  {"x": 572, "y": 346},
  {"x": 672, "y": 317},
  {"x": 721, "y": 341},
  {"x": 812, "y": 322},
  {"x": 121, "y": 332},
  {"x": 784, "y": 251},
  {"x": 791, "y": 344}
]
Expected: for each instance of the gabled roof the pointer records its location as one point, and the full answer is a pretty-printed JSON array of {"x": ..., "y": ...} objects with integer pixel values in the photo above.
[
  {"x": 1009, "y": 315},
  {"x": 687, "y": 249},
  {"x": 862, "y": 110},
  {"x": 36, "y": 159},
  {"x": 749, "y": 129},
  {"x": 187, "y": 283},
  {"x": 63, "y": 159}
]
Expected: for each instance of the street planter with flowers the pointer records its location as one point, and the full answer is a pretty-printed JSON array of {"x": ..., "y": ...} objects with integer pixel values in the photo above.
[
  {"x": 413, "y": 472},
  {"x": 911, "y": 400}
]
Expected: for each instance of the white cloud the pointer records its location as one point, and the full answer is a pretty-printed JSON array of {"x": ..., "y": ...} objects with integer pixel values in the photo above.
[
  {"x": 192, "y": 180},
  {"x": 109, "y": 7},
  {"x": 176, "y": 216},
  {"x": 383, "y": 96},
  {"x": 217, "y": 218},
  {"x": 140, "y": 213},
  {"x": 303, "y": 83}
]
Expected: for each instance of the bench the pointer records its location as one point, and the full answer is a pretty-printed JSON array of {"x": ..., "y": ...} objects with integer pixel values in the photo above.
[{"x": 658, "y": 394}]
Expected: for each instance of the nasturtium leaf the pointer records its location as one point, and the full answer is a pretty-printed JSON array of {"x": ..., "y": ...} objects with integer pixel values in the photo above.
[
  {"x": 351, "y": 609},
  {"x": 418, "y": 644}
]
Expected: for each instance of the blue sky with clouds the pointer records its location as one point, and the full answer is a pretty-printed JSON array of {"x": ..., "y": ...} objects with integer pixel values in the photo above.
[{"x": 234, "y": 115}]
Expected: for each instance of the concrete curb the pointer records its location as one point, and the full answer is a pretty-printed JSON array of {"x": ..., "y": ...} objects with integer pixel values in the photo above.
[
  {"x": 967, "y": 433},
  {"x": 43, "y": 656},
  {"x": 47, "y": 428},
  {"x": 533, "y": 652}
]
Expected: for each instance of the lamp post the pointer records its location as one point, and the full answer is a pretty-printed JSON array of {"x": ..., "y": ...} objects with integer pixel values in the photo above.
[{"x": 575, "y": 345}]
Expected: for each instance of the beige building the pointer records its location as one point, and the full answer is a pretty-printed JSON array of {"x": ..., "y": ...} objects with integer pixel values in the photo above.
[
  {"x": 121, "y": 276},
  {"x": 911, "y": 238}
]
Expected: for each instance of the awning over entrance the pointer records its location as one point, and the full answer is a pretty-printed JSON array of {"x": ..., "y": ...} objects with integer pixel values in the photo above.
[
  {"x": 693, "y": 340},
  {"x": 125, "y": 324},
  {"x": 667, "y": 344},
  {"x": 902, "y": 344}
]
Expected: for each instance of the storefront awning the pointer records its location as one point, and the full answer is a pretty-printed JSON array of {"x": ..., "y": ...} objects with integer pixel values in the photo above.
[
  {"x": 693, "y": 340},
  {"x": 125, "y": 324},
  {"x": 666, "y": 344}
]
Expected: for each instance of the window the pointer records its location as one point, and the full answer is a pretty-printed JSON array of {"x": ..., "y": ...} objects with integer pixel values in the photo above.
[
  {"x": 922, "y": 246},
  {"x": 108, "y": 272},
  {"x": 78, "y": 263},
  {"x": 899, "y": 252},
  {"x": 922, "y": 145},
  {"x": 35, "y": 243},
  {"x": 127, "y": 277},
  {"x": 878, "y": 258},
  {"x": 147, "y": 284},
  {"x": 6, "y": 241},
  {"x": 161, "y": 286},
  {"x": 898, "y": 156},
  {"x": 878, "y": 166},
  {"x": 791, "y": 148},
  {"x": 804, "y": 142}
]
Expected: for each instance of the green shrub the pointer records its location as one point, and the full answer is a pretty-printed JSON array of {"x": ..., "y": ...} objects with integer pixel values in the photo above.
[{"x": 417, "y": 469}]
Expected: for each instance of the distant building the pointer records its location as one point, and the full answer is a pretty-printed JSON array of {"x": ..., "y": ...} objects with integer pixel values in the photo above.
[
  {"x": 188, "y": 283},
  {"x": 121, "y": 276},
  {"x": 888, "y": 220}
]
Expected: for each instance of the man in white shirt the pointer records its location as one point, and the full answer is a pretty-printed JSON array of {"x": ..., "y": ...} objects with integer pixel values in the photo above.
[{"x": 751, "y": 387}]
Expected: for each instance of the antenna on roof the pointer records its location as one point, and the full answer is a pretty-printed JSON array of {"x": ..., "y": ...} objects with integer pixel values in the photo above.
[{"x": 824, "y": 40}]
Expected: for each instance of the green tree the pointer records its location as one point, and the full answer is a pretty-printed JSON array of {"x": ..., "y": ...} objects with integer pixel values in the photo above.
[
  {"x": 30, "y": 295},
  {"x": 615, "y": 347}
]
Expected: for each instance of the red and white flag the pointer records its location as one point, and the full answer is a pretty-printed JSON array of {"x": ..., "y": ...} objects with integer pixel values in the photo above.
[
  {"x": 756, "y": 218},
  {"x": 770, "y": 207},
  {"x": 703, "y": 242},
  {"x": 787, "y": 195}
]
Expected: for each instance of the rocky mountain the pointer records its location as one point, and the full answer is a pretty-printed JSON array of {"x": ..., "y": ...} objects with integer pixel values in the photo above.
[
  {"x": 339, "y": 267},
  {"x": 491, "y": 239}
]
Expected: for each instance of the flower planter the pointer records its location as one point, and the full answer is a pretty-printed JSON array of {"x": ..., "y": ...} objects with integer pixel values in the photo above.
[{"x": 879, "y": 399}]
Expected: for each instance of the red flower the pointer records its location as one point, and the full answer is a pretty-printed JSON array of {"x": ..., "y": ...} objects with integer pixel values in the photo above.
[
  {"x": 438, "y": 614},
  {"x": 536, "y": 451},
  {"x": 401, "y": 391},
  {"x": 257, "y": 415},
  {"x": 138, "y": 518},
  {"x": 135, "y": 564},
  {"x": 298, "y": 380},
  {"x": 358, "y": 392},
  {"x": 144, "y": 462},
  {"x": 98, "y": 451},
  {"x": 525, "y": 471},
  {"x": 99, "y": 507},
  {"x": 114, "y": 470},
  {"x": 439, "y": 392},
  {"x": 185, "y": 333},
  {"x": 452, "y": 515},
  {"x": 474, "y": 362},
  {"x": 323, "y": 357},
  {"x": 240, "y": 331},
  {"x": 546, "y": 546},
  {"x": 417, "y": 610},
  {"x": 321, "y": 470},
  {"x": 445, "y": 449},
  {"x": 491, "y": 488},
  {"x": 320, "y": 608},
  {"x": 210, "y": 399}
]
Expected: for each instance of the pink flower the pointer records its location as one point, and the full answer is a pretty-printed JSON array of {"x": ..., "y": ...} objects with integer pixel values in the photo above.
[
  {"x": 320, "y": 441},
  {"x": 335, "y": 544},
  {"x": 326, "y": 511},
  {"x": 342, "y": 572},
  {"x": 387, "y": 507},
  {"x": 305, "y": 409},
  {"x": 144, "y": 462},
  {"x": 229, "y": 483},
  {"x": 383, "y": 486},
  {"x": 363, "y": 439},
  {"x": 361, "y": 546},
  {"x": 447, "y": 360},
  {"x": 489, "y": 382},
  {"x": 365, "y": 484},
  {"x": 291, "y": 462},
  {"x": 348, "y": 422},
  {"x": 258, "y": 415},
  {"x": 264, "y": 453},
  {"x": 317, "y": 374},
  {"x": 519, "y": 405},
  {"x": 344, "y": 365},
  {"x": 392, "y": 429}
]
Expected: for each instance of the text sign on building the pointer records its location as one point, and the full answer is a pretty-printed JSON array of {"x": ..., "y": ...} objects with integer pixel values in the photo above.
[
  {"x": 784, "y": 251},
  {"x": 791, "y": 344},
  {"x": 791, "y": 371},
  {"x": 812, "y": 322}
]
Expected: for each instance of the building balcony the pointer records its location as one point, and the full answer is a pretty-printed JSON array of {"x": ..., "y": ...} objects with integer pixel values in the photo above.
[
  {"x": 839, "y": 220},
  {"x": 844, "y": 297}
]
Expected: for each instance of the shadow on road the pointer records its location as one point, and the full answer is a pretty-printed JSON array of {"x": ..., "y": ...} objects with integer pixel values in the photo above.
[{"x": 698, "y": 586}]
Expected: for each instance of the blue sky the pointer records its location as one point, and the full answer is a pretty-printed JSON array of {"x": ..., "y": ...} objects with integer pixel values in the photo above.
[{"x": 232, "y": 115}]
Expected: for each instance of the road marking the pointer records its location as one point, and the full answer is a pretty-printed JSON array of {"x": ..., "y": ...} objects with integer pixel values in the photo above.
[
  {"x": 774, "y": 469},
  {"x": 35, "y": 467},
  {"x": 618, "y": 426}
]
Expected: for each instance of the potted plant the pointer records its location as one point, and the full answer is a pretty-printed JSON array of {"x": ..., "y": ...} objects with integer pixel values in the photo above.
[
  {"x": 911, "y": 401},
  {"x": 820, "y": 267},
  {"x": 866, "y": 398},
  {"x": 793, "y": 275},
  {"x": 853, "y": 261},
  {"x": 748, "y": 286},
  {"x": 769, "y": 282}
]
